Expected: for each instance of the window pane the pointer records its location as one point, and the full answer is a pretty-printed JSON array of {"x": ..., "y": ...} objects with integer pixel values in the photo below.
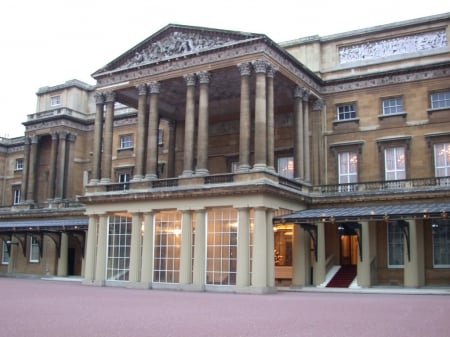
[
  {"x": 119, "y": 244},
  {"x": 286, "y": 167},
  {"x": 442, "y": 159},
  {"x": 441, "y": 243},
  {"x": 394, "y": 159},
  {"x": 348, "y": 167},
  {"x": 395, "y": 245},
  {"x": 440, "y": 100},
  {"x": 392, "y": 105}
]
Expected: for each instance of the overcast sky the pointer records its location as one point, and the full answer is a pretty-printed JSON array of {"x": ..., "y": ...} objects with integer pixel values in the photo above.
[{"x": 48, "y": 42}]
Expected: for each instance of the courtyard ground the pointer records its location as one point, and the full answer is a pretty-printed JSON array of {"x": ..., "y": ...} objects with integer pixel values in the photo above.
[{"x": 44, "y": 308}]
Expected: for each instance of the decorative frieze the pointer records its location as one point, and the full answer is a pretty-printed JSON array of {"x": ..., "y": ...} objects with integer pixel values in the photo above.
[{"x": 394, "y": 46}]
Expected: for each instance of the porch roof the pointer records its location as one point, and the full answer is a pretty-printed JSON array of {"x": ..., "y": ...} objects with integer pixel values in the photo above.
[
  {"x": 369, "y": 212},
  {"x": 38, "y": 224}
]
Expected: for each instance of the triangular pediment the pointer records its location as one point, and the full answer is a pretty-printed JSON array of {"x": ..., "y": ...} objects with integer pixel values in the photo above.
[{"x": 176, "y": 41}]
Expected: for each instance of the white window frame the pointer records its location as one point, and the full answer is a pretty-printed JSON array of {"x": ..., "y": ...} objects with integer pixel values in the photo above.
[
  {"x": 123, "y": 177},
  {"x": 286, "y": 167},
  {"x": 345, "y": 111},
  {"x": 396, "y": 245},
  {"x": 5, "y": 253},
  {"x": 126, "y": 141},
  {"x": 441, "y": 243},
  {"x": 392, "y": 105},
  {"x": 395, "y": 163},
  {"x": 348, "y": 167},
  {"x": 55, "y": 100},
  {"x": 442, "y": 159},
  {"x": 19, "y": 164},
  {"x": 16, "y": 195},
  {"x": 440, "y": 100},
  {"x": 118, "y": 248},
  {"x": 160, "y": 136},
  {"x": 34, "y": 250}
]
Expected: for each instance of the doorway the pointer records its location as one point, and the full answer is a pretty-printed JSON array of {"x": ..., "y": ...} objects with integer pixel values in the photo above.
[{"x": 348, "y": 249}]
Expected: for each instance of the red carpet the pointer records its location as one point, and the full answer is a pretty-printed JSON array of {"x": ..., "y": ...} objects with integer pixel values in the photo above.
[{"x": 343, "y": 277}]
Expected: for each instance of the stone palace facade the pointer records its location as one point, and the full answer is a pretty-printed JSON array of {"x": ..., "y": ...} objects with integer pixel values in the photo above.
[{"x": 207, "y": 159}]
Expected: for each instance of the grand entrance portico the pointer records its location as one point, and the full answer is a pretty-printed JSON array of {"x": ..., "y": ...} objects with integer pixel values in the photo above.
[{"x": 232, "y": 102}]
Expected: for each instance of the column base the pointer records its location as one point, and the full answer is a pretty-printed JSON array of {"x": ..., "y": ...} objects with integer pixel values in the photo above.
[
  {"x": 151, "y": 176},
  {"x": 187, "y": 173},
  {"x": 259, "y": 167},
  {"x": 93, "y": 182},
  {"x": 137, "y": 178},
  {"x": 201, "y": 172},
  {"x": 243, "y": 168},
  {"x": 105, "y": 181}
]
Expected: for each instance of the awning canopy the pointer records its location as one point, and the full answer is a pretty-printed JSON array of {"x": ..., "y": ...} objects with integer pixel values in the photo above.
[
  {"x": 40, "y": 224},
  {"x": 374, "y": 212}
]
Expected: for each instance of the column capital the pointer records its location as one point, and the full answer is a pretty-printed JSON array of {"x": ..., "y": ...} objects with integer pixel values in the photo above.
[
  {"x": 62, "y": 134},
  {"x": 318, "y": 104},
  {"x": 271, "y": 70},
  {"x": 34, "y": 139},
  {"x": 154, "y": 87},
  {"x": 245, "y": 68},
  {"x": 190, "y": 79},
  {"x": 306, "y": 94},
  {"x": 204, "y": 77},
  {"x": 99, "y": 98},
  {"x": 142, "y": 89},
  {"x": 110, "y": 97},
  {"x": 260, "y": 66}
]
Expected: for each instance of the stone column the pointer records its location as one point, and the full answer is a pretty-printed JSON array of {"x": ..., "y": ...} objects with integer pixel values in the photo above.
[
  {"x": 320, "y": 265},
  {"x": 135, "y": 249},
  {"x": 203, "y": 123},
  {"x": 98, "y": 131},
  {"x": 71, "y": 137},
  {"x": 199, "y": 250},
  {"x": 298, "y": 133},
  {"x": 260, "y": 67},
  {"x": 62, "y": 269},
  {"x": 153, "y": 125},
  {"x": 243, "y": 252},
  {"x": 270, "y": 120},
  {"x": 317, "y": 152},
  {"x": 171, "y": 148},
  {"x": 414, "y": 268},
  {"x": 186, "y": 249},
  {"x": 300, "y": 257},
  {"x": 61, "y": 169},
  {"x": 91, "y": 250},
  {"x": 363, "y": 266},
  {"x": 32, "y": 170},
  {"x": 26, "y": 168},
  {"x": 260, "y": 254},
  {"x": 245, "y": 122},
  {"x": 147, "y": 251},
  {"x": 100, "y": 265},
  {"x": 141, "y": 131},
  {"x": 108, "y": 137},
  {"x": 189, "y": 125},
  {"x": 270, "y": 249},
  {"x": 306, "y": 151},
  {"x": 52, "y": 168}
]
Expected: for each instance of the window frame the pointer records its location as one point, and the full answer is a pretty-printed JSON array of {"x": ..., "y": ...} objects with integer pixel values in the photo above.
[
  {"x": 19, "y": 164},
  {"x": 126, "y": 142},
  {"x": 440, "y": 225},
  {"x": 396, "y": 243},
  {"x": 443, "y": 103},
  {"x": 287, "y": 169},
  {"x": 342, "y": 115},
  {"x": 351, "y": 155},
  {"x": 16, "y": 194},
  {"x": 5, "y": 253},
  {"x": 395, "y": 106},
  {"x": 35, "y": 250},
  {"x": 446, "y": 165},
  {"x": 55, "y": 100},
  {"x": 397, "y": 169}
]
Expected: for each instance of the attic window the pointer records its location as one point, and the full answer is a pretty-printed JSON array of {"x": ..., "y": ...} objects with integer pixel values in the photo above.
[{"x": 55, "y": 100}]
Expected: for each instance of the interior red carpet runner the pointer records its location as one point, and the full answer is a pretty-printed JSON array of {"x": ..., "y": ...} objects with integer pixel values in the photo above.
[{"x": 343, "y": 277}]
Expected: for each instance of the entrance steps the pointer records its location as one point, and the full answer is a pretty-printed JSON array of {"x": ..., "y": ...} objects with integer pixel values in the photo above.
[{"x": 343, "y": 277}]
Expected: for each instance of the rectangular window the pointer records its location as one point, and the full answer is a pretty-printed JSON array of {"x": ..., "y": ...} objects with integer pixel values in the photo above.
[
  {"x": 442, "y": 159},
  {"x": 346, "y": 111},
  {"x": 5, "y": 253},
  {"x": 440, "y": 100},
  {"x": 34, "y": 250},
  {"x": 221, "y": 252},
  {"x": 123, "y": 177},
  {"x": 119, "y": 244},
  {"x": 126, "y": 141},
  {"x": 167, "y": 247},
  {"x": 394, "y": 163},
  {"x": 348, "y": 167},
  {"x": 19, "y": 164},
  {"x": 392, "y": 105},
  {"x": 441, "y": 243},
  {"x": 55, "y": 100},
  {"x": 16, "y": 195},
  {"x": 395, "y": 246},
  {"x": 286, "y": 167}
]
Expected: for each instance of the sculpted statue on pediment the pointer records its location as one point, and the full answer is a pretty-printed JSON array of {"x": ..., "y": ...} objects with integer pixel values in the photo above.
[{"x": 176, "y": 44}]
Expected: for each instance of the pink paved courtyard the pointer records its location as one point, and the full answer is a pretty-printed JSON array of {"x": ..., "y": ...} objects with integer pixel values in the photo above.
[{"x": 42, "y": 308}]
